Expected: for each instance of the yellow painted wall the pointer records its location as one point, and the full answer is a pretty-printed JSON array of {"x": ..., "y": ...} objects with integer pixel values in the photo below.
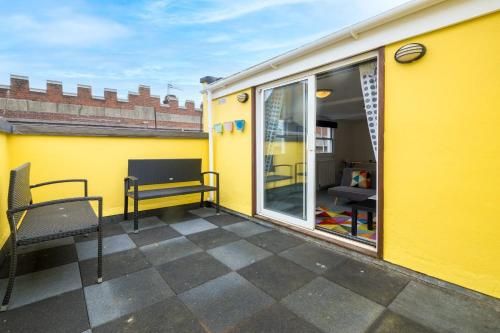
[
  {"x": 4, "y": 185},
  {"x": 233, "y": 153},
  {"x": 442, "y": 156},
  {"x": 101, "y": 160}
]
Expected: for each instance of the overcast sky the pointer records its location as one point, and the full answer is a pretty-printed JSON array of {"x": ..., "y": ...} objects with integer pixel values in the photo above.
[{"x": 121, "y": 44}]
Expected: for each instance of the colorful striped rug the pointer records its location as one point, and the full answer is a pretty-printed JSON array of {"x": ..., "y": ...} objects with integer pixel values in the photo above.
[{"x": 340, "y": 222}]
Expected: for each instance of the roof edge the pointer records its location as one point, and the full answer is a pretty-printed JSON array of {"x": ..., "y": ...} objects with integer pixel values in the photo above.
[{"x": 349, "y": 32}]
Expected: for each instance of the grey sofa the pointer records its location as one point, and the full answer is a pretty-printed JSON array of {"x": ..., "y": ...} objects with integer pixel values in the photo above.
[{"x": 346, "y": 191}]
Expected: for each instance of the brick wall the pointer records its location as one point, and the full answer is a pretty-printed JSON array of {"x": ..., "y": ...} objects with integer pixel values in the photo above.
[{"x": 22, "y": 103}]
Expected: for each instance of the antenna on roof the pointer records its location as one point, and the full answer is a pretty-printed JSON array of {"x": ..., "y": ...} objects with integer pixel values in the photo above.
[{"x": 171, "y": 86}]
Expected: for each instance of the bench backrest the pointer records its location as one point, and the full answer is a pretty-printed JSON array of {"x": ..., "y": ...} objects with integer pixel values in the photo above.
[
  {"x": 347, "y": 176},
  {"x": 19, "y": 189},
  {"x": 165, "y": 171}
]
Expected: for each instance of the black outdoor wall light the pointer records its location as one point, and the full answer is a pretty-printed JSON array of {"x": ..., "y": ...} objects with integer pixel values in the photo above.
[
  {"x": 242, "y": 98},
  {"x": 409, "y": 53}
]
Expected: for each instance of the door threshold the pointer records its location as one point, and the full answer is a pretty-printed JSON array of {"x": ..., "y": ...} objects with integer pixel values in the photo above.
[{"x": 326, "y": 236}]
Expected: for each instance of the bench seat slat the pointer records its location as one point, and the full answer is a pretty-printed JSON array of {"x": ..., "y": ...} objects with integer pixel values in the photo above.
[
  {"x": 57, "y": 221},
  {"x": 275, "y": 178},
  {"x": 168, "y": 192}
]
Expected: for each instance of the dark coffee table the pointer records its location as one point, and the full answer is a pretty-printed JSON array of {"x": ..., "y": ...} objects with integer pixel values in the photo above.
[{"x": 370, "y": 207}]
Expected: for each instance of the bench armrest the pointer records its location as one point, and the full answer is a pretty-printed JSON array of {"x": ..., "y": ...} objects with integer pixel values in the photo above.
[
  {"x": 55, "y": 202},
  {"x": 213, "y": 173},
  {"x": 297, "y": 167},
  {"x": 133, "y": 180},
  {"x": 84, "y": 181}
]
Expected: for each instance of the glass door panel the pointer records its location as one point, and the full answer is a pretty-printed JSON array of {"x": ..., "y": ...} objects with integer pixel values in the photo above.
[{"x": 283, "y": 153}]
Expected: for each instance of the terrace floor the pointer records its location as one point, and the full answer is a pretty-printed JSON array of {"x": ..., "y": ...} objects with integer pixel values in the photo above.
[{"x": 189, "y": 270}]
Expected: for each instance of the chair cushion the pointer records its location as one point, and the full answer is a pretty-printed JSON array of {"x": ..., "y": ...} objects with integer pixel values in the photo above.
[
  {"x": 361, "y": 179},
  {"x": 172, "y": 191},
  {"x": 57, "y": 221}
]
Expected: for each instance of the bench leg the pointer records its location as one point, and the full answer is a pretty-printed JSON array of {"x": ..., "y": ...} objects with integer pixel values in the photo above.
[
  {"x": 136, "y": 216},
  {"x": 12, "y": 275},
  {"x": 217, "y": 201},
  {"x": 125, "y": 208},
  {"x": 201, "y": 199},
  {"x": 99, "y": 254}
]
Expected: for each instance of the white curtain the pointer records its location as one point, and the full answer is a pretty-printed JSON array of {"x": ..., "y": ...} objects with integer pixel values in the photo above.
[{"x": 368, "y": 76}]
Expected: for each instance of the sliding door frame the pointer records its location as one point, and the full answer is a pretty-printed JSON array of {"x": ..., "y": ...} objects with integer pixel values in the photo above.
[
  {"x": 379, "y": 55},
  {"x": 309, "y": 149}
]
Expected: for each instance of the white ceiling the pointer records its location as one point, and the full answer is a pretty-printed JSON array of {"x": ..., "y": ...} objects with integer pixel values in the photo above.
[{"x": 346, "y": 100}]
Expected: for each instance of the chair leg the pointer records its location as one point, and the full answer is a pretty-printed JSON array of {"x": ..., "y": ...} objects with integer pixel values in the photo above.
[
  {"x": 336, "y": 201},
  {"x": 136, "y": 216},
  {"x": 12, "y": 275},
  {"x": 201, "y": 199},
  {"x": 125, "y": 209},
  {"x": 99, "y": 254}
]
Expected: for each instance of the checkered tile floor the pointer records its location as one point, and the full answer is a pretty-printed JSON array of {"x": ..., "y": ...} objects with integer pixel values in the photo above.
[{"x": 189, "y": 270}]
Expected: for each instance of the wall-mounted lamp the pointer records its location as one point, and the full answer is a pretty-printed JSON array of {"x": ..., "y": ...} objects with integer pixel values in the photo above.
[
  {"x": 242, "y": 98},
  {"x": 409, "y": 53},
  {"x": 323, "y": 93}
]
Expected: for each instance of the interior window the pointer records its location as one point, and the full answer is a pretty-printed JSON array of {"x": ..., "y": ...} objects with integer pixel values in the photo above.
[{"x": 324, "y": 140}]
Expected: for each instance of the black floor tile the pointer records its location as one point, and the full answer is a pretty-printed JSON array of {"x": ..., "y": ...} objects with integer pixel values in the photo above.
[
  {"x": 176, "y": 214},
  {"x": 114, "y": 265},
  {"x": 108, "y": 229},
  {"x": 169, "y": 250},
  {"x": 169, "y": 316},
  {"x": 275, "y": 241},
  {"x": 62, "y": 313},
  {"x": 213, "y": 238},
  {"x": 277, "y": 276},
  {"x": 313, "y": 257},
  {"x": 189, "y": 272},
  {"x": 224, "y": 219},
  {"x": 42, "y": 259},
  {"x": 222, "y": 303},
  {"x": 127, "y": 294},
  {"x": 275, "y": 319},
  {"x": 391, "y": 322},
  {"x": 154, "y": 235},
  {"x": 377, "y": 284}
]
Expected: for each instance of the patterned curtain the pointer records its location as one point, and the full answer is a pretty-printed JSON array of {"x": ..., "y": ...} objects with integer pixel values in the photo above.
[{"x": 368, "y": 75}]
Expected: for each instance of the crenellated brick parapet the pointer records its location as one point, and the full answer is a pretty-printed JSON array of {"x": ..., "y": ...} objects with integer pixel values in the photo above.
[{"x": 141, "y": 109}]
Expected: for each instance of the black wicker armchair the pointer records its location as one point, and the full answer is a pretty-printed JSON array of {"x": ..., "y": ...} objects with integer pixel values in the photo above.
[{"x": 32, "y": 223}]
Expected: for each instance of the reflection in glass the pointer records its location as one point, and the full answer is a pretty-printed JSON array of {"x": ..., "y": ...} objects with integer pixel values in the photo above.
[{"x": 284, "y": 149}]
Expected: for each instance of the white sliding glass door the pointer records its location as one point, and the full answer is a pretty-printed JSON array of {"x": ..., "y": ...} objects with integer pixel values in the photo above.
[{"x": 286, "y": 151}]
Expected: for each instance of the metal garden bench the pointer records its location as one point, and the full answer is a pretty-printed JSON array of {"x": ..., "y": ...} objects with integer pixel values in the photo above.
[
  {"x": 271, "y": 175},
  {"x": 165, "y": 171},
  {"x": 32, "y": 223}
]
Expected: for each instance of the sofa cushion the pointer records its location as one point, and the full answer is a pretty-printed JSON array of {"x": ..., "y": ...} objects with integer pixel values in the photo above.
[
  {"x": 352, "y": 193},
  {"x": 347, "y": 176},
  {"x": 361, "y": 179}
]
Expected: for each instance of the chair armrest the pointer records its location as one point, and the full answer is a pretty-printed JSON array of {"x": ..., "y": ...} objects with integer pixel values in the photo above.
[{"x": 84, "y": 181}]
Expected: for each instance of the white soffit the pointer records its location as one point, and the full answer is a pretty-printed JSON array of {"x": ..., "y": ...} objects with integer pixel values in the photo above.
[{"x": 432, "y": 17}]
